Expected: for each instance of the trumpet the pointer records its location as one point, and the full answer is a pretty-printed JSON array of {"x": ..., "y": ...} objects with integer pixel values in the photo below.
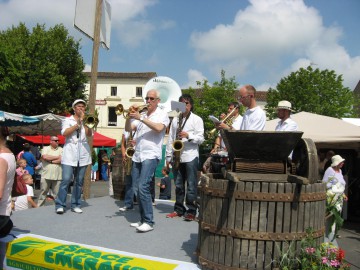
[
  {"x": 91, "y": 120},
  {"x": 119, "y": 110},
  {"x": 229, "y": 119}
]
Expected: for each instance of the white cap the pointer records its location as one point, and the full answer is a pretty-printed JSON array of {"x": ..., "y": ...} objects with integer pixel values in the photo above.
[
  {"x": 336, "y": 160},
  {"x": 284, "y": 104},
  {"x": 78, "y": 101}
]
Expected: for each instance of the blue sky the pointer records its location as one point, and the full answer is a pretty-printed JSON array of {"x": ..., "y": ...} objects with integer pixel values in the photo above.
[{"x": 258, "y": 41}]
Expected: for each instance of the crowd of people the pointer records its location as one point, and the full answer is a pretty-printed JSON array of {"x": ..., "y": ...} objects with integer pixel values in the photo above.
[{"x": 141, "y": 152}]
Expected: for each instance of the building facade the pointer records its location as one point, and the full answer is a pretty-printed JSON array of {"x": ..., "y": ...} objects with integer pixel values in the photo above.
[{"x": 114, "y": 88}]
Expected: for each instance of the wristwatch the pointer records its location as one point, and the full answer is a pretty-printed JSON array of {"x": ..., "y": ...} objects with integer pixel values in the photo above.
[{"x": 141, "y": 118}]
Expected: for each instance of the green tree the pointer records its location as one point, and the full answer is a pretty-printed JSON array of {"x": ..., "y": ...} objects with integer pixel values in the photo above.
[
  {"x": 212, "y": 100},
  {"x": 316, "y": 91},
  {"x": 40, "y": 71}
]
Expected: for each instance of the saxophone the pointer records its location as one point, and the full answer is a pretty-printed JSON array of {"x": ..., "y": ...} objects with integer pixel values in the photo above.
[
  {"x": 129, "y": 152},
  {"x": 177, "y": 145}
]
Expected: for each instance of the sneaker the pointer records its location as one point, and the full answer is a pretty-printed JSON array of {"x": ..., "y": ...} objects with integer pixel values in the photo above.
[
  {"x": 76, "y": 210},
  {"x": 144, "y": 228},
  {"x": 136, "y": 224},
  {"x": 154, "y": 204},
  {"x": 173, "y": 215},
  {"x": 60, "y": 211},
  {"x": 189, "y": 217},
  {"x": 124, "y": 209}
]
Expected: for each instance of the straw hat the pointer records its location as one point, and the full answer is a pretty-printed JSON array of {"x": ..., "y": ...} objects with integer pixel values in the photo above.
[
  {"x": 284, "y": 104},
  {"x": 336, "y": 160}
]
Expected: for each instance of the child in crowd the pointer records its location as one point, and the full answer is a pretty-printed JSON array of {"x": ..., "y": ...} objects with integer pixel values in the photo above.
[
  {"x": 22, "y": 202},
  {"x": 21, "y": 167},
  {"x": 165, "y": 185}
]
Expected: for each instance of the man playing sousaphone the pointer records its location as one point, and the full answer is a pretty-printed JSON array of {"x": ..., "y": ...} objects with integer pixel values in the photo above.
[
  {"x": 190, "y": 131},
  {"x": 150, "y": 131}
]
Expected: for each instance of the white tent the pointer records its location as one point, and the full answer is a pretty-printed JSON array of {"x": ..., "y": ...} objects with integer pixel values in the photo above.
[
  {"x": 354, "y": 121},
  {"x": 325, "y": 131}
]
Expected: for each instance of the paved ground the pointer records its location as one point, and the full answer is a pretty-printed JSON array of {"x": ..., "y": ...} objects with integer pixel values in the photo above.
[{"x": 349, "y": 241}]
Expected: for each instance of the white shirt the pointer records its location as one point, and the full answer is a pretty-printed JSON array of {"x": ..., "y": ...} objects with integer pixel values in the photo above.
[
  {"x": 5, "y": 202},
  {"x": 194, "y": 126},
  {"x": 237, "y": 122},
  {"x": 253, "y": 119},
  {"x": 287, "y": 125},
  {"x": 235, "y": 125},
  {"x": 149, "y": 142},
  {"x": 75, "y": 149},
  {"x": 21, "y": 202},
  {"x": 331, "y": 177}
]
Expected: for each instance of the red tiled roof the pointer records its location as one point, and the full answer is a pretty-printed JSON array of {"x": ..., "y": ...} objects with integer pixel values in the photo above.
[{"x": 127, "y": 75}]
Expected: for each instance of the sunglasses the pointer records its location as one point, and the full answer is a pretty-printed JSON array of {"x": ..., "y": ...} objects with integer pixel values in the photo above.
[
  {"x": 151, "y": 98},
  {"x": 55, "y": 140}
]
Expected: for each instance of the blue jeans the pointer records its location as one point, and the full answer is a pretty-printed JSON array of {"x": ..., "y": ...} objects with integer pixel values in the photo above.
[
  {"x": 142, "y": 173},
  {"x": 68, "y": 172},
  {"x": 129, "y": 192},
  {"x": 187, "y": 172},
  {"x": 104, "y": 171}
]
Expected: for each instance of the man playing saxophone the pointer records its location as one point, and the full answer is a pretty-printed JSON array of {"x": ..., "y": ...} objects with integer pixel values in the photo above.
[
  {"x": 127, "y": 151},
  {"x": 150, "y": 131},
  {"x": 190, "y": 131}
]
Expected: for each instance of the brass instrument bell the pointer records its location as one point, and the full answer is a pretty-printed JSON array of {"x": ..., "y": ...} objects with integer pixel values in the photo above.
[
  {"x": 91, "y": 120},
  {"x": 119, "y": 110}
]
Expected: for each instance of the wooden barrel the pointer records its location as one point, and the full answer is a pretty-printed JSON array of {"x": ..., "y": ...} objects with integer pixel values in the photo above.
[
  {"x": 118, "y": 177},
  {"x": 248, "y": 221}
]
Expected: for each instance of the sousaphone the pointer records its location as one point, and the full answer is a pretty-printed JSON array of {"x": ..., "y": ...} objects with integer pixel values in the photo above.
[{"x": 169, "y": 90}]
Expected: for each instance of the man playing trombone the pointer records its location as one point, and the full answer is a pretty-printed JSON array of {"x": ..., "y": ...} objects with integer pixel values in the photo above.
[
  {"x": 187, "y": 131},
  {"x": 75, "y": 158},
  {"x": 232, "y": 121},
  {"x": 150, "y": 131}
]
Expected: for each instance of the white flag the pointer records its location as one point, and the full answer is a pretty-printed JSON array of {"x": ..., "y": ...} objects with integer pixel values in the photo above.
[{"x": 85, "y": 20}]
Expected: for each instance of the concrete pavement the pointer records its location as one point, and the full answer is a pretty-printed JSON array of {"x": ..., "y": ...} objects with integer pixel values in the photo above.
[{"x": 349, "y": 240}]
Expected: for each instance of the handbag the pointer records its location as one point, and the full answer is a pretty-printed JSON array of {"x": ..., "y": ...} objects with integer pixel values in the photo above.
[{"x": 19, "y": 187}]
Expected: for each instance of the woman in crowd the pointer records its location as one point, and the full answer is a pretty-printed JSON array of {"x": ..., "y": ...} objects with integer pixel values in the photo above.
[{"x": 7, "y": 173}]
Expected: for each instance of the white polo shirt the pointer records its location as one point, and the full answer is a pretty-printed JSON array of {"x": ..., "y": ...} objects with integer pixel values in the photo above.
[{"x": 149, "y": 142}]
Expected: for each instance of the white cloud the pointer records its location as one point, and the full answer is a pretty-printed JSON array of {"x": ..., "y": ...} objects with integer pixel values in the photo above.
[
  {"x": 193, "y": 77},
  {"x": 48, "y": 12},
  {"x": 87, "y": 68},
  {"x": 128, "y": 18},
  {"x": 266, "y": 35}
]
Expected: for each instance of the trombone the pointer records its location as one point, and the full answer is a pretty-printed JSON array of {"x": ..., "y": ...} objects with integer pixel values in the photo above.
[
  {"x": 119, "y": 110},
  {"x": 229, "y": 119}
]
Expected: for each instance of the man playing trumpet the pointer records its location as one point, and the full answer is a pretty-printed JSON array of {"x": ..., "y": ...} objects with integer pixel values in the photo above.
[
  {"x": 76, "y": 156},
  {"x": 150, "y": 131}
]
